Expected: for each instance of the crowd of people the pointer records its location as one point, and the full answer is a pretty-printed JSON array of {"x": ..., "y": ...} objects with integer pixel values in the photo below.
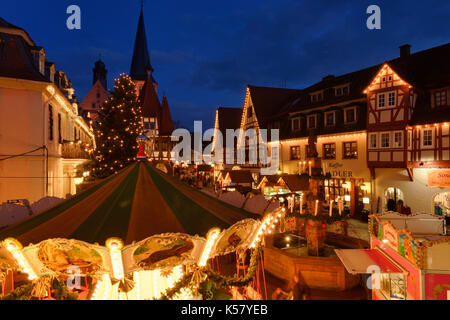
[{"x": 195, "y": 179}]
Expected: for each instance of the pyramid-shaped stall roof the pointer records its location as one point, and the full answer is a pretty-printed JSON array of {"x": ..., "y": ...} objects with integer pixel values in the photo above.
[{"x": 134, "y": 204}]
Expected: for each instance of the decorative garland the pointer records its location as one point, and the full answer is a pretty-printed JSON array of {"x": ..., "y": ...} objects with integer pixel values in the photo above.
[
  {"x": 325, "y": 218},
  {"x": 59, "y": 291},
  {"x": 20, "y": 293},
  {"x": 218, "y": 280}
]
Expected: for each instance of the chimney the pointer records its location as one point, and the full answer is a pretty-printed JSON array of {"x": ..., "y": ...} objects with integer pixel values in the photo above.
[{"x": 405, "y": 50}]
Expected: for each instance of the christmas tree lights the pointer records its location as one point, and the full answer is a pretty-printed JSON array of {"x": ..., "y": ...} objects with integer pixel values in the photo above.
[{"x": 120, "y": 123}]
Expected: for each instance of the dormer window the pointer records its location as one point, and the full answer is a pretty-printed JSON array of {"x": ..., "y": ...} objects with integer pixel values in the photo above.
[
  {"x": 440, "y": 98},
  {"x": 350, "y": 115},
  {"x": 316, "y": 97},
  {"x": 312, "y": 122},
  {"x": 295, "y": 124},
  {"x": 330, "y": 119},
  {"x": 341, "y": 91}
]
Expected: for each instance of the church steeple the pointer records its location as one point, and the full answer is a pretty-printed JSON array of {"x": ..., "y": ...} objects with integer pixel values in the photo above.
[
  {"x": 141, "y": 56},
  {"x": 99, "y": 73}
]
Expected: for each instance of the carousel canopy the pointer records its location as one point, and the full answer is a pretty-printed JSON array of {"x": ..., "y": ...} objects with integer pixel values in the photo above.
[{"x": 132, "y": 205}]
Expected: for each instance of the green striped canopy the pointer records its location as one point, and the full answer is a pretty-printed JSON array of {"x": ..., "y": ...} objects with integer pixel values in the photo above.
[{"x": 134, "y": 204}]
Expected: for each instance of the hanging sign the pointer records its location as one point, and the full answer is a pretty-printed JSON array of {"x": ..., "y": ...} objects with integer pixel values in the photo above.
[{"x": 439, "y": 178}]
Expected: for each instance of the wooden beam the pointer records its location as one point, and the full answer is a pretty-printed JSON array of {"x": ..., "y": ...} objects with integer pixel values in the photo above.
[
  {"x": 372, "y": 173},
  {"x": 410, "y": 174}
]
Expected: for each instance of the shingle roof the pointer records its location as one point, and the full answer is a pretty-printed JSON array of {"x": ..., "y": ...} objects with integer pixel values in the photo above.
[
  {"x": 166, "y": 119},
  {"x": 267, "y": 101},
  {"x": 229, "y": 118},
  {"x": 240, "y": 176},
  {"x": 294, "y": 182},
  {"x": 16, "y": 60},
  {"x": 149, "y": 100},
  {"x": 141, "y": 56},
  {"x": 424, "y": 70}
]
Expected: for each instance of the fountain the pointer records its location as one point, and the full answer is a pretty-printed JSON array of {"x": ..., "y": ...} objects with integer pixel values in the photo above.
[{"x": 309, "y": 248}]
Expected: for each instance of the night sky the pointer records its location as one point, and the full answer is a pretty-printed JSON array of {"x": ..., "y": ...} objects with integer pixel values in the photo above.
[{"x": 205, "y": 52}]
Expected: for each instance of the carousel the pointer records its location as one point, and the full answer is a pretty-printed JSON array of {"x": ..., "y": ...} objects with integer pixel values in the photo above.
[{"x": 138, "y": 235}]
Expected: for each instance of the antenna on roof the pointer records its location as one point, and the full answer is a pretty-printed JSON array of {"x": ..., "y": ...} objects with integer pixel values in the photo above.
[{"x": 142, "y": 4}]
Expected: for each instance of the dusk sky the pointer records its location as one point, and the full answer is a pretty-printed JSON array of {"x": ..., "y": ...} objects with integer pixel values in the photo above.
[{"x": 205, "y": 52}]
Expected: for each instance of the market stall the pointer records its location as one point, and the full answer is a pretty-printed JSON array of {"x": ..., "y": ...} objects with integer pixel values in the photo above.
[{"x": 408, "y": 259}]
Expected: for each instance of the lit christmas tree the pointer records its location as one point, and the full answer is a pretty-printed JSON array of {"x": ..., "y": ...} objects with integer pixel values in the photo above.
[{"x": 120, "y": 123}]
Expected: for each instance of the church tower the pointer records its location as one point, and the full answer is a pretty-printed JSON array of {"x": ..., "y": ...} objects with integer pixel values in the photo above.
[
  {"x": 140, "y": 64},
  {"x": 100, "y": 73},
  {"x": 90, "y": 106},
  {"x": 156, "y": 117}
]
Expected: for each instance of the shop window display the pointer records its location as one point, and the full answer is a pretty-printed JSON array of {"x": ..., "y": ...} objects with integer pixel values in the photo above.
[
  {"x": 441, "y": 204},
  {"x": 392, "y": 196}
]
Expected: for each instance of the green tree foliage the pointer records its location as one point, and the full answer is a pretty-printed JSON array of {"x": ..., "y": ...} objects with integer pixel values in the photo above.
[{"x": 120, "y": 123}]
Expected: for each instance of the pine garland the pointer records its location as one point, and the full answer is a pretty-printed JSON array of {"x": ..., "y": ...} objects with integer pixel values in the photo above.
[
  {"x": 220, "y": 281},
  {"x": 59, "y": 291},
  {"x": 20, "y": 293}
]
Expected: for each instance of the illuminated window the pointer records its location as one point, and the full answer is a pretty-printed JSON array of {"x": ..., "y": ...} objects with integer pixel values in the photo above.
[
  {"x": 441, "y": 203},
  {"x": 391, "y": 196},
  {"x": 398, "y": 139},
  {"x": 385, "y": 140},
  {"x": 440, "y": 98},
  {"x": 427, "y": 140},
  {"x": 295, "y": 153},
  {"x": 373, "y": 140},
  {"x": 350, "y": 150},
  {"x": 329, "y": 151}
]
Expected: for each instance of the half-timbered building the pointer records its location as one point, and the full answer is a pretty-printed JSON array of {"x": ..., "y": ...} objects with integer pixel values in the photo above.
[
  {"x": 408, "y": 118},
  {"x": 382, "y": 132}
]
